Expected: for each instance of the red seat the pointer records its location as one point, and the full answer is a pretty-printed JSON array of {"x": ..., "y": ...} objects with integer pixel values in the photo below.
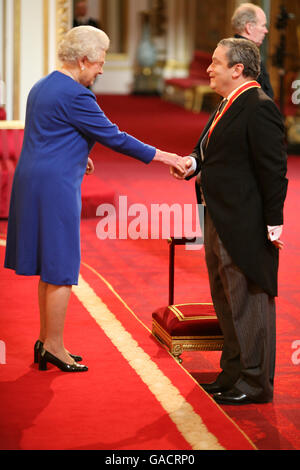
[
  {"x": 190, "y": 90},
  {"x": 185, "y": 82},
  {"x": 188, "y": 326},
  {"x": 11, "y": 139},
  {"x": 2, "y": 113}
]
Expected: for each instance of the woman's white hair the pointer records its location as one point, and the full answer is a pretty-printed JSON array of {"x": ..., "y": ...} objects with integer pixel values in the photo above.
[{"x": 83, "y": 41}]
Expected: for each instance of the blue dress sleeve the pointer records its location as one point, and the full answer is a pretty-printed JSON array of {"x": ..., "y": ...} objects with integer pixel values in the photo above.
[{"x": 88, "y": 118}]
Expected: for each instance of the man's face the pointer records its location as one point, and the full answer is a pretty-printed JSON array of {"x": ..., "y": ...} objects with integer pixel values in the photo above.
[
  {"x": 258, "y": 30},
  {"x": 220, "y": 75},
  {"x": 80, "y": 9}
]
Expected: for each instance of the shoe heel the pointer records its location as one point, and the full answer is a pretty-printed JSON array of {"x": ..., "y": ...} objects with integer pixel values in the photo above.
[
  {"x": 46, "y": 357},
  {"x": 42, "y": 362},
  {"x": 36, "y": 351},
  {"x": 36, "y": 356}
]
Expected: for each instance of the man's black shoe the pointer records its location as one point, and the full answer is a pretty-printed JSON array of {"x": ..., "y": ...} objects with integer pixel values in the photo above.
[
  {"x": 214, "y": 387},
  {"x": 232, "y": 397}
]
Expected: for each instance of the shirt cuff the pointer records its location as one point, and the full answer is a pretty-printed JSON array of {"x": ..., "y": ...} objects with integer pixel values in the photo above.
[
  {"x": 274, "y": 232},
  {"x": 193, "y": 167}
]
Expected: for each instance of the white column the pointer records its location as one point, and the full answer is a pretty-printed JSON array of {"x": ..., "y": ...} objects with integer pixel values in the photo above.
[
  {"x": 134, "y": 27},
  {"x": 1, "y": 39},
  {"x": 119, "y": 69},
  {"x": 31, "y": 50},
  {"x": 191, "y": 28},
  {"x": 2, "y": 58},
  {"x": 171, "y": 38},
  {"x": 181, "y": 31},
  {"x": 9, "y": 57},
  {"x": 52, "y": 59},
  {"x": 113, "y": 25},
  {"x": 180, "y": 39}
]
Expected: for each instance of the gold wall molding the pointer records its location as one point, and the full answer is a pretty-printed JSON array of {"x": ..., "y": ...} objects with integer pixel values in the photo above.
[
  {"x": 46, "y": 36},
  {"x": 3, "y": 41},
  {"x": 117, "y": 57},
  {"x": 63, "y": 20},
  {"x": 16, "y": 62},
  {"x": 124, "y": 17}
]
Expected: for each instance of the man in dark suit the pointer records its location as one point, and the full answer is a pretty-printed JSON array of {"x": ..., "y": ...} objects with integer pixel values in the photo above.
[
  {"x": 240, "y": 164},
  {"x": 249, "y": 22}
]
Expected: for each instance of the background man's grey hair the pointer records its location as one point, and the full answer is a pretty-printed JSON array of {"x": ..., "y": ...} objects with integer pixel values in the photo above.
[{"x": 246, "y": 13}]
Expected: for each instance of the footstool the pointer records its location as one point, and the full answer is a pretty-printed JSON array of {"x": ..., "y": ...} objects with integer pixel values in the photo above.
[{"x": 186, "y": 326}]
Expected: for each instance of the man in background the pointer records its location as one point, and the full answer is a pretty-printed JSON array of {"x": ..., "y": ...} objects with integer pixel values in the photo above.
[
  {"x": 81, "y": 15},
  {"x": 249, "y": 22}
]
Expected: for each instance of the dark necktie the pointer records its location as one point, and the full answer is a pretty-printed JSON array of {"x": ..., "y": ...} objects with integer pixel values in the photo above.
[
  {"x": 204, "y": 141},
  {"x": 222, "y": 105}
]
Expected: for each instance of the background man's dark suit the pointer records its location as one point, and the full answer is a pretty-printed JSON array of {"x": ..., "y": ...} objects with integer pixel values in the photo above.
[
  {"x": 244, "y": 187},
  {"x": 263, "y": 79}
]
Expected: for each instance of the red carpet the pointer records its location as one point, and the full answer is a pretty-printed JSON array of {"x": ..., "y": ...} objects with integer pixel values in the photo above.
[
  {"x": 114, "y": 406},
  {"x": 270, "y": 426}
]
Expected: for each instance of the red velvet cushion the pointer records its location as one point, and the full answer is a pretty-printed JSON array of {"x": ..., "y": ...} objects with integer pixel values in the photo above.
[
  {"x": 188, "y": 320},
  {"x": 11, "y": 143},
  {"x": 7, "y": 170},
  {"x": 203, "y": 57},
  {"x": 197, "y": 72},
  {"x": 10, "y": 148},
  {"x": 2, "y": 114}
]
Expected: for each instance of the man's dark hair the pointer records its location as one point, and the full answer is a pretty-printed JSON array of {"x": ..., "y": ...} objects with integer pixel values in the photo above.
[{"x": 242, "y": 51}]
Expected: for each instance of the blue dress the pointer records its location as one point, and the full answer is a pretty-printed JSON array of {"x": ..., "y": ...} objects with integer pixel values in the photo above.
[{"x": 63, "y": 122}]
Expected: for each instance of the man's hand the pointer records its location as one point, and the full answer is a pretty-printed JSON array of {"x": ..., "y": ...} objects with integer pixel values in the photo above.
[
  {"x": 90, "y": 167},
  {"x": 171, "y": 159},
  {"x": 278, "y": 243},
  {"x": 274, "y": 234},
  {"x": 187, "y": 161}
]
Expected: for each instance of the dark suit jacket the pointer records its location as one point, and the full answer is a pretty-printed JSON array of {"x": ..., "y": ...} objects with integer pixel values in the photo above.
[
  {"x": 89, "y": 22},
  {"x": 244, "y": 184}
]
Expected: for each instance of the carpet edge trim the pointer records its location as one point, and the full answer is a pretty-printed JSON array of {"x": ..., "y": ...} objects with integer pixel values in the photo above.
[
  {"x": 187, "y": 421},
  {"x": 111, "y": 288}
]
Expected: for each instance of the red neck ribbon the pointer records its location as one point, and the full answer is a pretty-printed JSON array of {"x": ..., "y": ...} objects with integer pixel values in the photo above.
[{"x": 242, "y": 89}]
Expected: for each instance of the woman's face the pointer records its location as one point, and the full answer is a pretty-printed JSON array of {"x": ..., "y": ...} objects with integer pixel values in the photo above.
[{"x": 91, "y": 70}]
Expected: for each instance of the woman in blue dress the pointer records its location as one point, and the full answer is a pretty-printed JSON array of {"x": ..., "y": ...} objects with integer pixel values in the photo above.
[{"x": 63, "y": 121}]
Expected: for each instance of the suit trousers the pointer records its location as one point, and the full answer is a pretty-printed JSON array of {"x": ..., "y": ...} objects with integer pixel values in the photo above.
[{"x": 247, "y": 318}]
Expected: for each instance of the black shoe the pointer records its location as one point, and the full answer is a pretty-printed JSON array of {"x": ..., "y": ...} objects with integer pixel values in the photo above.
[
  {"x": 214, "y": 387},
  {"x": 38, "y": 349},
  {"x": 232, "y": 397},
  {"x": 46, "y": 357}
]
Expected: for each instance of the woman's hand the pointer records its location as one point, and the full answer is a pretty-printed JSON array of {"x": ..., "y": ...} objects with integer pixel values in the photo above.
[
  {"x": 179, "y": 175},
  {"x": 173, "y": 160},
  {"x": 90, "y": 167}
]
